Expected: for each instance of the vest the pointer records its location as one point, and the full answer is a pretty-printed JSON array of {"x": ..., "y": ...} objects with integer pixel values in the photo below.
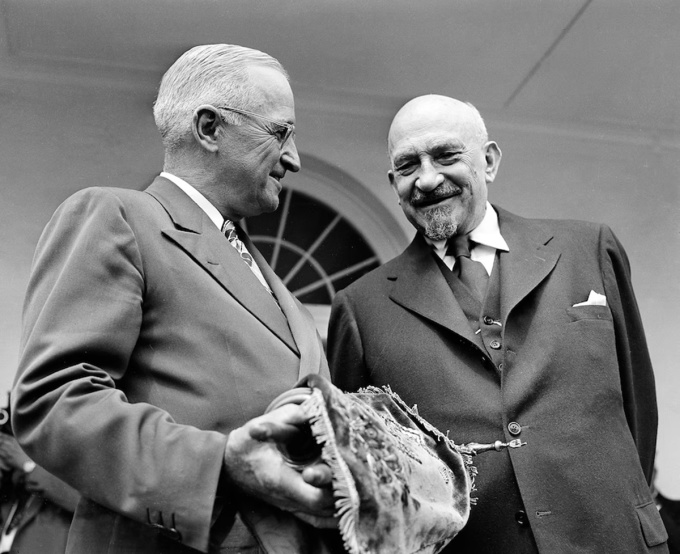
[{"x": 484, "y": 318}]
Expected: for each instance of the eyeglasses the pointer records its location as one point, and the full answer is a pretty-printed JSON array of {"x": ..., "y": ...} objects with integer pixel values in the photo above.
[{"x": 282, "y": 132}]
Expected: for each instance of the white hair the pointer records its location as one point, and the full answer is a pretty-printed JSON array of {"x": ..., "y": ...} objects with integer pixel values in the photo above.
[{"x": 214, "y": 74}]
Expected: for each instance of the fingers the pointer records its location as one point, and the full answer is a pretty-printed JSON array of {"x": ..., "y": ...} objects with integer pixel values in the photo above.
[
  {"x": 258, "y": 469},
  {"x": 318, "y": 522},
  {"x": 272, "y": 431},
  {"x": 323, "y": 506},
  {"x": 279, "y": 425},
  {"x": 318, "y": 475},
  {"x": 255, "y": 463},
  {"x": 313, "y": 498},
  {"x": 289, "y": 414}
]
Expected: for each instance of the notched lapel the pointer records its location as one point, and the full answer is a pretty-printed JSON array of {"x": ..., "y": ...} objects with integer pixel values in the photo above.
[
  {"x": 196, "y": 235},
  {"x": 420, "y": 287},
  {"x": 225, "y": 265},
  {"x": 300, "y": 321},
  {"x": 531, "y": 258}
]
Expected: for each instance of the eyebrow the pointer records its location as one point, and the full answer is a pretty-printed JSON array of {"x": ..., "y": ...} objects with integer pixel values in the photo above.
[
  {"x": 447, "y": 145},
  {"x": 435, "y": 147},
  {"x": 403, "y": 157},
  {"x": 279, "y": 122}
]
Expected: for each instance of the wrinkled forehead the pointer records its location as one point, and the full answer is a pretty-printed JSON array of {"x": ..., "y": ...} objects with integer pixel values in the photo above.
[
  {"x": 427, "y": 124},
  {"x": 272, "y": 95}
]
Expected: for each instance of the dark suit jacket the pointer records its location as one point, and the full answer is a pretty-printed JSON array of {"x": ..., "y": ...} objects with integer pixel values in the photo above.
[
  {"x": 577, "y": 379},
  {"x": 146, "y": 340}
]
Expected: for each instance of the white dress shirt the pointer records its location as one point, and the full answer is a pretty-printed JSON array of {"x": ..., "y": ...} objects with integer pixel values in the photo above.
[
  {"x": 488, "y": 239},
  {"x": 211, "y": 211}
]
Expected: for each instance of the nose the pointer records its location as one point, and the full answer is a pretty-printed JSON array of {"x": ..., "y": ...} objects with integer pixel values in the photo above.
[
  {"x": 290, "y": 159},
  {"x": 429, "y": 178}
]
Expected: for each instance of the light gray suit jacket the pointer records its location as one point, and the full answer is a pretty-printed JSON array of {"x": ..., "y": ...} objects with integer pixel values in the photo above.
[{"x": 146, "y": 340}]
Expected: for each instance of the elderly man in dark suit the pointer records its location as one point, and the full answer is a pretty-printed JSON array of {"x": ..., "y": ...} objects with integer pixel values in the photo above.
[
  {"x": 152, "y": 342},
  {"x": 500, "y": 327}
]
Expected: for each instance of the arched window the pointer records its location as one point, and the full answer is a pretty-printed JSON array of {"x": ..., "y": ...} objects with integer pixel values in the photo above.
[
  {"x": 313, "y": 249},
  {"x": 328, "y": 231}
]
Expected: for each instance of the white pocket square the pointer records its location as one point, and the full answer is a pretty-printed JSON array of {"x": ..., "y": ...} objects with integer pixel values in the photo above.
[{"x": 594, "y": 299}]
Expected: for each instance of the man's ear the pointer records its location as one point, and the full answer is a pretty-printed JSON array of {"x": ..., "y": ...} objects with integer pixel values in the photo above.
[
  {"x": 205, "y": 127},
  {"x": 393, "y": 184},
  {"x": 492, "y": 155}
]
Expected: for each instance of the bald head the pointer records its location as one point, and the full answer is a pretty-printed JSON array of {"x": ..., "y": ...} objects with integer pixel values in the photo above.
[
  {"x": 442, "y": 163},
  {"x": 422, "y": 111}
]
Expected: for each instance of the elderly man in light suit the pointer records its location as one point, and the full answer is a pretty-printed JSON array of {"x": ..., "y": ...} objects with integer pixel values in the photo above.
[
  {"x": 501, "y": 327},
  {"x": 152, "y": 342}
]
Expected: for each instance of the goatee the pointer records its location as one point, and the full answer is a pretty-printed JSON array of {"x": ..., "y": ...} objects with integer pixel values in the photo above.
[{"x": 439, "y": 224}]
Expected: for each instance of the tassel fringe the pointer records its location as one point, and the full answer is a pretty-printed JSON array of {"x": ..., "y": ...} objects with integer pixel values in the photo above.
[
  {"x": 344, "y": 487},
  {"x": 413, "y": 412}
]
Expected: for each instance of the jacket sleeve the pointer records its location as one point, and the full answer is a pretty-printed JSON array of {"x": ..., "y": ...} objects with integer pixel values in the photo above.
[
  {"x": 55, "y": 490},
  {"x": 345, "y": 350},
  {"x": 82, "y": 317},
  {"x": 635, "y": 366}
]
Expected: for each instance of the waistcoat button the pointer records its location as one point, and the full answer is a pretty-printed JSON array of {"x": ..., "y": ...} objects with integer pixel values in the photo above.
[
  {"x": 521, "y": 518},
  {"x": 514, "y": 428}
]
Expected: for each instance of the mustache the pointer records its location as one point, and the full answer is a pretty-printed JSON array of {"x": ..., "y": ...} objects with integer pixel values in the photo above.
[{"x": 444, "y": 190}]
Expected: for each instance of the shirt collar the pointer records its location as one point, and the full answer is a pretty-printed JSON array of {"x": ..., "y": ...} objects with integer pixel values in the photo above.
[
  {"x": 488, "y": 233},
  {"x": 203, "y": 203}
]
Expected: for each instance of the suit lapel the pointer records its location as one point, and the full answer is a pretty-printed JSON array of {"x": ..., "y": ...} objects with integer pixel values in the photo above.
[
  {"x": 530, "y": 259},
  {"x": 194, "y": 232},
  {"x": 300, "y": 321},
  {"x": 420, "y": 287}
]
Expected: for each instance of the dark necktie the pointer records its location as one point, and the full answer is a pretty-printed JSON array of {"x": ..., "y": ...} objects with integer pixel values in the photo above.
[{"x": 472, "y": 274}]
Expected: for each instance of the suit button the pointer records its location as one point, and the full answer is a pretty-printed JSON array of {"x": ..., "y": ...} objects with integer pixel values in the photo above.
[
  {"x": 515, "y": 429},
  {"x": 169, "y": 532},
  {"x": 501, "y": 367},
  {"x": 496, "y": 345},
  {"x": 172, "y": 533},
  {"x": 488, "y": 320},
  {"x": 521, "y": 518}
]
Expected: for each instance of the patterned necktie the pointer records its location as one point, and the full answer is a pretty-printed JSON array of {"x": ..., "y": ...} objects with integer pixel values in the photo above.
[
  {"x": 229, "y": 230},
  {"x": 471, "y": 273}
]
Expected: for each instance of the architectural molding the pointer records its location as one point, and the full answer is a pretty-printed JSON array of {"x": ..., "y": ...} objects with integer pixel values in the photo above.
[
  {"x": 378, "y": 108},
  {"x": 354, "y": 201}
]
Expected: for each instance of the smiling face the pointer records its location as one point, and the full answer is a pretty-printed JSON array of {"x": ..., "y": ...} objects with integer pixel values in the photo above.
[
  {"x": 441, "y": 165},
  {"x": 252, "y": 159}
]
